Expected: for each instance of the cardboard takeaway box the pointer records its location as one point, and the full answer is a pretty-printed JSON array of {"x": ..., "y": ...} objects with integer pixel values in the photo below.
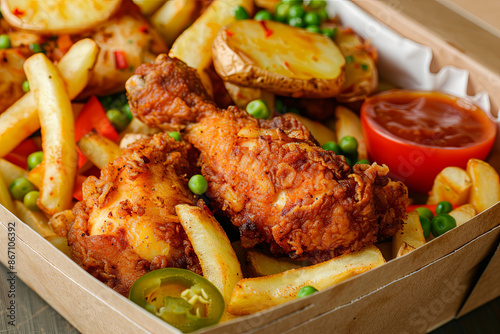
[{"x": 411, "y": 294}]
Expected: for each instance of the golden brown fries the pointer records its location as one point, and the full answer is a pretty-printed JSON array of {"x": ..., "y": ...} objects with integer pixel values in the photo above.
[
  {"x": 452, "y": 184},
  {"x": 58, "y": 134},
  {"x": 21, "y": 119},
  {"x": 218, "y": 260},
  {"x": 10, "y": 172},
  {"x": 263, "y": 265},
  {"x": 347, "y": 123},
  {"x": 60, "y": 243},
  {"x": 411, "y": 234},
  {"x": 148, "y": 7},
  {"x": 98, "y": 149},
  {"x": 173, "y": 18},
  {"x": 60, "y": 222},
  {"x": 34, "y": 219},
  {"x": 463, "y": 213},
  {"x": 256, "y": 294},
  {"x": 5, "y": 198},
  {"x": 319, "y": 131},
  {"x": 485, "y": 191},
  {"x": 405, "y": 249}
]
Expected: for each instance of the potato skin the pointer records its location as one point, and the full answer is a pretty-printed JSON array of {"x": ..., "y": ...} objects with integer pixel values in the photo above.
[{"x": 238, "y": 68}]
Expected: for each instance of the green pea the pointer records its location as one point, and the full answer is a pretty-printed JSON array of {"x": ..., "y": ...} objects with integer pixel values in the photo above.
[
  {"x": 34, "y": 159},
  {"x": 279, "y": 106},
  {"x": 258, "y": 109},
  {"x": 176, "y": 135},
  {"x": 348, "y": 160},
  {"x": 4, "y": 41},
  {"x": 442, "y": 223},
  {"x": 306, "y": 291},
  {"x": 30, "y": 200},
  {"x": 425, "y": 212},
  {"x": 241, "y": 13},
  {"x": 20, "y": 187},
  {"x": 281, "y": 12},
  {"x": 296, "y": 11},
  {"x": 323, "y": 14},
  {"x": 26, "y": 86},
  {"x": 314, "y": 29},
  {"x": 263, "y": 15},
  {"x": 353, "y": 157},
  {"x": 328, "y": 32},
  {"x": 126, "y": 110},
  {"x": 316, "y": 4},
  {"x": 293, "y": 110},
  {"x": 426, "y": 225},
  {"x": 292, "y": 2},
  {"x": 332, "y": 146},
  {"x": 312, "y": 19},
  {"x": 118, "y": 119},
  {"x": 296, "y": 22},
  {"x": 443, "y": 207},
  {"x": 198, "y": 184},
  {"x": 348, "y": 144},
  {"x": 363, "y": 162},
  {"x": 36, "y": 48}
]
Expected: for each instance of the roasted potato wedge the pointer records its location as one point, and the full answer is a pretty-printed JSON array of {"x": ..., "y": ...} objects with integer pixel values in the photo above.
[
  {"x": 410, "y": 234},
  {"x": 347, "y": 123},
  {"x": 404, "y": 249},
  {"x": 242, "y": 56},
  {"x": 463, "y": 213},
  {"x": 452, "y": 184},
  {"x": 321, "y": 132},
  {"x": 57, "y": 17},
  {"x": 58, "y": 134},
  {"x": 34, "y": 219},
  {"x": 21, "y": 119},
  {"x": 485, "y": 191},
  {"x": 173, "y": 18},
  {"x": 194, "y": 45},
  {"x": 360, "y": 69},
  {"x": 256, "y": 294},
  {"x": 262, "y": 265},
  {"x": 98, "y": 149},
  {"x": 241, "y": 96},
  {"x": 218, "y": 260}
]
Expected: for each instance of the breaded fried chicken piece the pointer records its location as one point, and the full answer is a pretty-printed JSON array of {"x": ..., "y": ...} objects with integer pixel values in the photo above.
[
  {"x": 270, "y": 176},
  {"x": 126, "y": 224}
]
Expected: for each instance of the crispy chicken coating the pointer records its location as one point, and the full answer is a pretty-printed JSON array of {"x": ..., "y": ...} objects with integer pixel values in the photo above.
[
  {"x": 126, "y": 224},
  {"x": 270, "y": 176}
]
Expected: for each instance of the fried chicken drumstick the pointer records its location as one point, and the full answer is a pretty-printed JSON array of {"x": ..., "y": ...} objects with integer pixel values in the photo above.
[
  {"x": 126, "y": 225},
  {"x": 269, "y": 176}
]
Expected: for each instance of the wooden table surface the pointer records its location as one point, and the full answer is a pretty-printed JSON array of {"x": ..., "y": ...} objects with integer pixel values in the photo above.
[{"x": 471, "y": 26}]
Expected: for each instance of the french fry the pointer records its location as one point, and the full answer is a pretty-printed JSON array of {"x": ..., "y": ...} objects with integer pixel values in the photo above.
[
  {"x": 463, "y": 213},
  {"x": 5, "y": 198},
  {"x": 256, "y": 294},
  {"x": 194, "y": 45},
  {"x": 61, "y": 221},
  {"x": 322, "y": 133},
  {"x": 173, "y": 17},
  {"x": 60, "y": 243},
  {"x": 58, "y": 134},
  {"x": 411, "y": 234},
  {"x": 452, "y": 184},
  {"x": 34, "y": 219},
  {"x": 386, "y": 249},
  {"x": 270, "y": 5},
  {"x": 485, "y": 191},
  {"x": 10, "y": 172},
  {"x": 263, "y": 265},
  {"x": 148, "y": 7},
  {"x": 405, "y": 249},
  {"x": 98, "y": 149},
  {"x": 347, "y": 123},
  {"x": 21, "y": 119},
  {"x": 210, "y": 243}
]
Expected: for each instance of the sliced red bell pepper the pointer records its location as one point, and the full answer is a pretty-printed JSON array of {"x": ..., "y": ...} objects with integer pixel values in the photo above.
[
  {"x": 19, "y": 155},
  {"x": 120, "y": 60},
  {"x": 93, "y": 116}
]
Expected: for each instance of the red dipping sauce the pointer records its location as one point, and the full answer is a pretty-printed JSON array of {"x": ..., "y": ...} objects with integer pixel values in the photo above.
[{"x": 417, "y": 134}]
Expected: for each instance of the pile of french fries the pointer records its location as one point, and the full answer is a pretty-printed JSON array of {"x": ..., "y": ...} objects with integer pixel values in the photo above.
[{"x": 272, "y": 281}]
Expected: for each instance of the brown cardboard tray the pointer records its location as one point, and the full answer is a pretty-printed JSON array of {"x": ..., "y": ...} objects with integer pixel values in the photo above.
[{"x": 413, "y": 294}]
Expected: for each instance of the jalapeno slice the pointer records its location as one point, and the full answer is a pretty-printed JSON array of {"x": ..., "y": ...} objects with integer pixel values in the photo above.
[{"x": 182, "y": 298}]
